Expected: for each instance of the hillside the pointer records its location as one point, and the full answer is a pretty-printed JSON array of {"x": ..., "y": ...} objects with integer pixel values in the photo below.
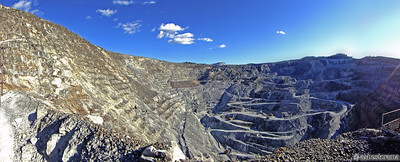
[{"x": 66, "y": 99}]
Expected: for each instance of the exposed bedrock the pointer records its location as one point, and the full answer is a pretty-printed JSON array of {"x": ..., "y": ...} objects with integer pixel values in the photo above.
[{"x": 260, "y": 125}]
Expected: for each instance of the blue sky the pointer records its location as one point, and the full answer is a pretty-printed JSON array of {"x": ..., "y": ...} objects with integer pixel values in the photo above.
[{"x": 231, "y": 31}]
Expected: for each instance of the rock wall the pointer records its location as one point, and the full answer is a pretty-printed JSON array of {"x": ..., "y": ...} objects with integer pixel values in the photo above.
[
  {"x": 385, "y": 98},
  {"x": 132, "y": 95},
  {"x": 40, "y": 134}
]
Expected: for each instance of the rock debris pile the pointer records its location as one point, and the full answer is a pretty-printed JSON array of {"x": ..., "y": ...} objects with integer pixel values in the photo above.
[{"x": 348, "y": 146}]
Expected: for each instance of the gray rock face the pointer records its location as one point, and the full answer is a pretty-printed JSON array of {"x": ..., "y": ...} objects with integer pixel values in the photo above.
[
  {"x": 80, "y": 102},
  {"x": 40, "y": 134},
  {"x": 6, "y": 139},
  {"x": 257, "y": 118}
]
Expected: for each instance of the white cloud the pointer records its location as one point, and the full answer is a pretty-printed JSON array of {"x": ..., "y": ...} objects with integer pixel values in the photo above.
[
  {"x": 154, "y": 29},
  {"x": 27, "y": 6},
  {"x": 186, "y": 38},
  {"x": 222, "y": 46},
  {"x": 186, "y": 35},
  {"x": 149, "y": 2},
  {"x": 130, "y": 27},
  {"x": 36, "y": 12},
  {"x": 206, "y": 39},
  {"x": 122, "y": 2},
  {"x": 88, "y": 17},
  {"x": 23, "y": 5},
  {"x": 160, "y": 35},
  {"x": 166, "y": 34},
  {"x": 115, "y": 19},
  {"x": 170, "y": 27},
  {"x": 169, "y": 30},
  {"x": 181, "y": 41},
  {"x": 172, "y": 31},
  {"x": 106, "y": 12},
  {"x": 281, "y": 32}
]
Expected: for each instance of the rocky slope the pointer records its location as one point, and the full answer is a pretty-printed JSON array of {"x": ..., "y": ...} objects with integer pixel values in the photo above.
[
  {"x": 77, "y": 90},
  {"x": 347, "y": 147}
]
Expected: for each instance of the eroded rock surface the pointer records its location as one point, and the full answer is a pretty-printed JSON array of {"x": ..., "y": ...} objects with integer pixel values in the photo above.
[
  {"x": 75, "y": 89},
  {"x": 41, "y": 134}
]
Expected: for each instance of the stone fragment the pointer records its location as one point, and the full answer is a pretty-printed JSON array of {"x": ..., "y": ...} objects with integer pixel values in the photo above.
[
  {"x": 28, "y": 152},
  {"x": 150, "y": 151},
  {"x": 52, "y": 143}
]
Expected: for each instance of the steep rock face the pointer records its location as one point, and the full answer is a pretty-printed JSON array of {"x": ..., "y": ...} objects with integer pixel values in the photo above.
[
  {"x": 206, "y": 109},
  {"x": 41, "y": 134},
  {"x": 80, "y": 78},
  {"x": 386, "y": 97},
  {"x": 132, "y": 95}
]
